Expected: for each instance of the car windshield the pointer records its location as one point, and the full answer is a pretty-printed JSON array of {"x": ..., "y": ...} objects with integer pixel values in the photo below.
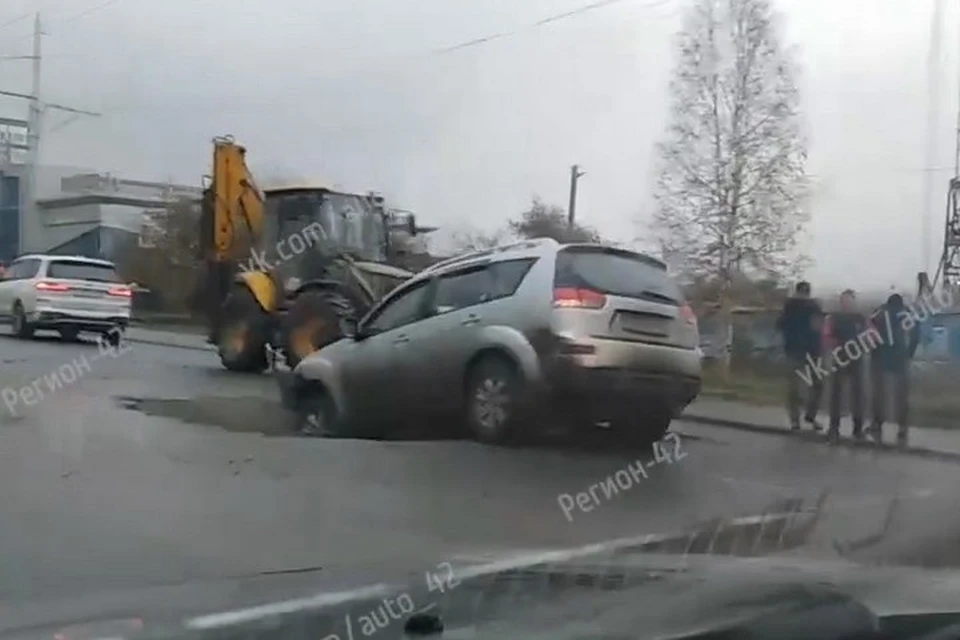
[
  {"x": 74, "y": 270},
  {"x": 416, "y": 287}
]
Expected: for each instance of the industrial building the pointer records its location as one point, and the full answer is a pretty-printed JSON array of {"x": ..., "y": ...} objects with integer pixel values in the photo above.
[
  {"x": 80, "y": 212},
  {"x": 77, "y": 212}
]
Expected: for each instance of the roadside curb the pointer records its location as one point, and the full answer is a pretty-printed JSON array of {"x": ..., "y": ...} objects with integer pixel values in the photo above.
[{"x": 947, "y": 456}]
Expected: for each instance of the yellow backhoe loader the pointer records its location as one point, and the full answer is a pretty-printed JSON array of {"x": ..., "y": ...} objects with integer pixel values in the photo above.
[{"x": 289, "y": 269}]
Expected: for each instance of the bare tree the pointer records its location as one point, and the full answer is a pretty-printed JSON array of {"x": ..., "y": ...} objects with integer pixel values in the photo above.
[
  {"x": 550, "y": 221},
  {"x": 477, "y": 240},
  {"x": 732, "y": 187},
  {"x": 166, "y": 260},
  {"x": 541, "y": 220}
]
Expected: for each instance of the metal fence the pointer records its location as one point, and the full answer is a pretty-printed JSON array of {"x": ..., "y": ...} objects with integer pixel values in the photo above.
[{"x": 755, "y": 337}]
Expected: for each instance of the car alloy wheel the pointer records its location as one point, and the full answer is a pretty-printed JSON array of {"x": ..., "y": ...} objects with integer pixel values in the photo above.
[
  {"x": 319, "y": 417},
  {"x": 316, "y": 422},
  {"x": 491, "y": 399},
  {"x": 491, "y": 404}
]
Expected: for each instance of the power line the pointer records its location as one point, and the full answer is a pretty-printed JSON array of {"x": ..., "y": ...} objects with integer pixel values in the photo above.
[
  {"x": 89, "y": 10},
  {"x": 590, "y": 7},
  {"x": 13, "y": 21},
  {"x": 81, "y": 14},
  {"x": 598, "y": 4},
  {"x": 404, "y": 60}
]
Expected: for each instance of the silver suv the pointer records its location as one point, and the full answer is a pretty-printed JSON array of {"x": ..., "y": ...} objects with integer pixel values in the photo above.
[{"x": 592, "y": 333}]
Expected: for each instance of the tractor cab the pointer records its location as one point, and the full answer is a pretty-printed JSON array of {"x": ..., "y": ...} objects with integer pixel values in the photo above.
[
  {"x": 307, "y": 229},
  {"x": 300, "y": 220}
]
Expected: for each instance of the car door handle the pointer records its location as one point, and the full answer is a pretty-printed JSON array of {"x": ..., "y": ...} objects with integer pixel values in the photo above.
[
  {"x": 471, "y": 319},
  {"x": 401, "y": 340}
]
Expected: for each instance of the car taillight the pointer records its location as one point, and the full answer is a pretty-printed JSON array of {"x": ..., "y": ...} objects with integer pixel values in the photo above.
[
  {"x": 571, "y": 297},
  {"x": 686, "y": 312},
  {"x": 122, "y": 292},
  {"x": 50, "y": 286}
]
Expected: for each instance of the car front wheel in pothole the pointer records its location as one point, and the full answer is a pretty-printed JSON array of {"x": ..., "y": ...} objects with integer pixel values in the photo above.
[
  {"x": 318, "y": 417},
  {"x": 492, "y": 401}
]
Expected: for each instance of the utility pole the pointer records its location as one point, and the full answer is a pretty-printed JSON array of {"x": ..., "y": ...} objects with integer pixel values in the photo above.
[
  {"x": 35, "y": 113},
  {"x": 932, "y": 120},
  {"x": 575, "y": 175},
  {"x": 35, "y": 123}
]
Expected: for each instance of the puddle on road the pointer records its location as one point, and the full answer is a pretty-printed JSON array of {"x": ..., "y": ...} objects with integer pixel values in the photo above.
[{"x": 236, "y": 414}]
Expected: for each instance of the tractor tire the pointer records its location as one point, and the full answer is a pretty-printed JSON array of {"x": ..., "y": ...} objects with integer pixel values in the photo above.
[
  {"x": 242, "y": 337},
  {"x": 317, "y": 318}
]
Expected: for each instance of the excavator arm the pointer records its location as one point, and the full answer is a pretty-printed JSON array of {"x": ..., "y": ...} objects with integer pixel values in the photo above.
[
  {"x": 233, "y": 215},
  {"x": 231, "y": 223}
]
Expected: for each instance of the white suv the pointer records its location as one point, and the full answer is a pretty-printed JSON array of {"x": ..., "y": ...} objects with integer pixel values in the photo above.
[{"x": 68, "y": 294}]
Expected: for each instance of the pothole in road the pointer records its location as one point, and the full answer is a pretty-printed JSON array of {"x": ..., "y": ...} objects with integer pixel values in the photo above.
[
  {"x": 236, "y": 414},
  {"x": 250, "y": 414},
  {"x": 242, "y": 415}
]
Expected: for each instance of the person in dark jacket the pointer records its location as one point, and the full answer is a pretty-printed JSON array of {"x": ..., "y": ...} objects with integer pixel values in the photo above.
[
  {"x": 897, "y": 334},
  {"x": 844, "y": 334},
  {"x": 799, "y": 324}
]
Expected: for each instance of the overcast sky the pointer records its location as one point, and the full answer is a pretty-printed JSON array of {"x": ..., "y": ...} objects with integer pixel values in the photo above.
[{"x": 354, "y": 93}]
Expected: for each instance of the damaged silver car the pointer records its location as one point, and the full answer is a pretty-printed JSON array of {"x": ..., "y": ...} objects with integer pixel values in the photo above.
[{"x": 505, "y": 342}]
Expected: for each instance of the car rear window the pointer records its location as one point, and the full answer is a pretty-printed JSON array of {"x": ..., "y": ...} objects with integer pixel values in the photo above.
[
  {"x": 73, "y": 270},
  {"x": 615, "y": 272}
]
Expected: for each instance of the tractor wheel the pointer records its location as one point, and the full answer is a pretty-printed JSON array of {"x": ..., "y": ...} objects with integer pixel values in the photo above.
[
  {"x": 317, "y": 318},
  {"x": 242, "y": 336}
]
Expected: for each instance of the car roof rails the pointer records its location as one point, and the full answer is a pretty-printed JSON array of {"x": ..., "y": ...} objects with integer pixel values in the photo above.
[{"x": 487, "y": 253}]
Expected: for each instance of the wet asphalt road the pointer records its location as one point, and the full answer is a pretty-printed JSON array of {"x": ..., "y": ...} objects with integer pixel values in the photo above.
[{"x": 98, "y": 497}]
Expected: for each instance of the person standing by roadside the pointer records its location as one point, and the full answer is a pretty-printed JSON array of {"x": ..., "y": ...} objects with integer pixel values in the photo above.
[
  {"x": 842, "y": 336},
  {"x": 799, "y": 323},
  {"x": 899, "y": 337}
]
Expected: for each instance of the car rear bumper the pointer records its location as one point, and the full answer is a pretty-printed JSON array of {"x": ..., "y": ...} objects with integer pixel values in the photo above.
[
  {"x": 585, "y": 383},
  {"x": 53, "y": 319},
  {"x": 609, "y": 390}
]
